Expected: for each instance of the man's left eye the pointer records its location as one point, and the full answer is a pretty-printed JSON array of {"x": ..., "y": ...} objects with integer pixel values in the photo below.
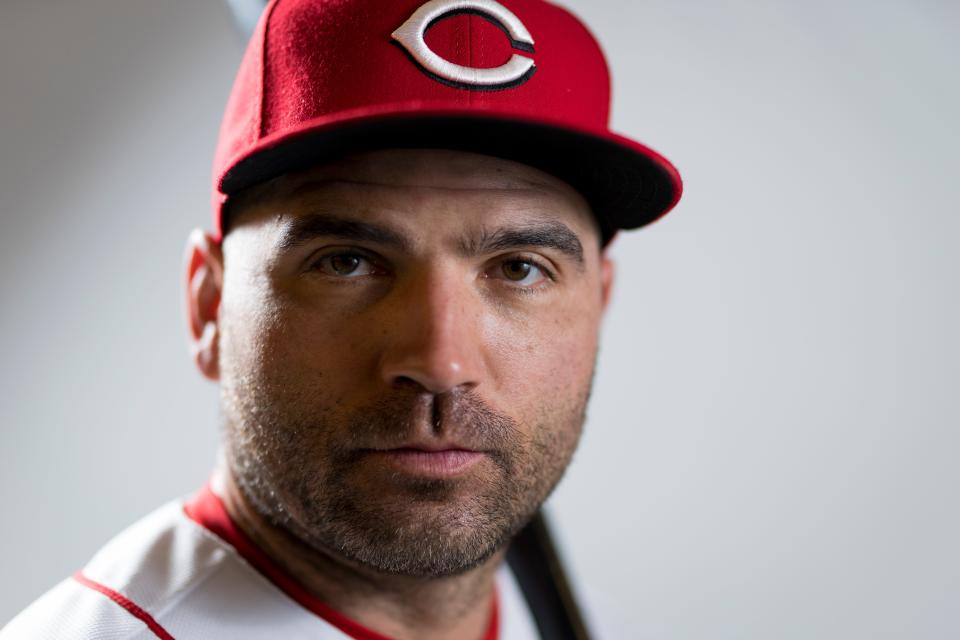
[
  {"x": 345, "y": 265},
  {"x": 522, "y": 272}
]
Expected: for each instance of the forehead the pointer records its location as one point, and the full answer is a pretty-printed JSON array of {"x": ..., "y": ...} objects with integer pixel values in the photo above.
[{"x": 424, "y": 188}]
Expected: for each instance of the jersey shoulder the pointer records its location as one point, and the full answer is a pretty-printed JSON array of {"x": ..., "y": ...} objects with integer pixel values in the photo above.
[
  {"x": 144, "y": 570},
  {"x": 167, "y": 576},
  {"x": 71, "y": 612}
]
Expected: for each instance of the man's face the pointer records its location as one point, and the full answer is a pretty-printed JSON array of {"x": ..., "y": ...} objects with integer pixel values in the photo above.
[{"x": 407, "y": 342}]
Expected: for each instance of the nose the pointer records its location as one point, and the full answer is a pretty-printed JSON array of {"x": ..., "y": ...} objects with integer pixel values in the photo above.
[{"x": 435, "y": 339}]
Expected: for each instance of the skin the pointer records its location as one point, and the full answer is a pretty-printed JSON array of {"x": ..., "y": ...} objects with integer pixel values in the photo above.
[{"x": 397, "y": 300}]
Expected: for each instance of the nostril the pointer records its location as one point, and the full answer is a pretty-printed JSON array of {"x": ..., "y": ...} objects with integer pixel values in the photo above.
[{"x": 406, "y": 382}]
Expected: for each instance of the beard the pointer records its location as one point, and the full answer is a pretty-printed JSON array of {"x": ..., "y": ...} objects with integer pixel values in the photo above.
[{"x": 308, "y": 470}]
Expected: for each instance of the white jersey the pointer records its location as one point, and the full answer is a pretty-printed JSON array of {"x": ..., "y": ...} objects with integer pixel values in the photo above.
[{"x": 187, "y": 572}]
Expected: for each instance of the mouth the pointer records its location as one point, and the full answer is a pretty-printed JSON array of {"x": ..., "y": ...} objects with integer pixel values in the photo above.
[{"x": 434, "y": 463}]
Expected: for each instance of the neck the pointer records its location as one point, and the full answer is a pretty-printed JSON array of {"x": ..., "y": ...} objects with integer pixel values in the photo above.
[{"x": 454, "y": 607}]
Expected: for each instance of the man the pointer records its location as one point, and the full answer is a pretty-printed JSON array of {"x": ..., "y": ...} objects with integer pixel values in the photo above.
[{"x": 401, "y": 302}]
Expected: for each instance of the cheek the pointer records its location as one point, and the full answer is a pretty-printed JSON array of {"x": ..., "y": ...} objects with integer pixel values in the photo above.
[
  {"x": 247, "y": 319},
  {"x": 546, "y": 354},
  {"x": 323, "y": 350},
  {"x": 313, "y": 345}
]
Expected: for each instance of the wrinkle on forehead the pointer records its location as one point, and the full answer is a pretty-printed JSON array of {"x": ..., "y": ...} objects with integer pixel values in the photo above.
[
  {"x": 306, "y": 186},
  {"x": 436, "y": 169},
  {"x": 413, "y": 172}
]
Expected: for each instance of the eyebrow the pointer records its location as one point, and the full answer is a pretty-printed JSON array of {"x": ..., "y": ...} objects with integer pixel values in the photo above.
[
  {"x": 547, "y": 235},
  {"x": 309, "y": 227}
]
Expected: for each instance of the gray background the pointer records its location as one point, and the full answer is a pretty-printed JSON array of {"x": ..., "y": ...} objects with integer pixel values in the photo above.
[{"x": 772, "y": 448}]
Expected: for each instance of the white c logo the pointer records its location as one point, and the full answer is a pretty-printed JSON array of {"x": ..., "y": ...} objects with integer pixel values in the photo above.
[{"x": 517, "y": 70}]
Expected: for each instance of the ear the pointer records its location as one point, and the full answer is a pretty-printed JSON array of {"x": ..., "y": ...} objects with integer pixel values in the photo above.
[
  {"x": 606, "y": 279},
  {"x": 204, "y": 270}
]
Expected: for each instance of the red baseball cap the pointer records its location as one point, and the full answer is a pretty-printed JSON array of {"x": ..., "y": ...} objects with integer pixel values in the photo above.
[{"x": 518, "y": 79}]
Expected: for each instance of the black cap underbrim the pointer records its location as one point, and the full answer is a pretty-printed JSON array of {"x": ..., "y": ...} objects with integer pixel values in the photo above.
[{"x": 627, "y": 184}]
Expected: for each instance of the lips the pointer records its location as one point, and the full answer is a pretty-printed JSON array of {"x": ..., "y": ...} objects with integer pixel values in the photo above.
[{"x": 431, "y": 461}]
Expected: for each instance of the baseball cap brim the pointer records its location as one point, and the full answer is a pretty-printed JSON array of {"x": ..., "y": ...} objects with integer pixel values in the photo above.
[{"x": 627, "y": 184}]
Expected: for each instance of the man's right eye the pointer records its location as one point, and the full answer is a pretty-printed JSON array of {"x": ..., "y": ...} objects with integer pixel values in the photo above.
[{"x": 345, "y": 265}]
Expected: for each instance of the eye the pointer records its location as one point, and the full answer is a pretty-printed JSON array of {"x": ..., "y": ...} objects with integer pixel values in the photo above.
[
  {"x": 345, "y": 265},
  {"x": 525, "y": 273}
]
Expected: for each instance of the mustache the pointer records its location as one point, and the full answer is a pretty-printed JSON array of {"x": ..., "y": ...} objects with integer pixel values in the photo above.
[{"x": 460, "y": 417}]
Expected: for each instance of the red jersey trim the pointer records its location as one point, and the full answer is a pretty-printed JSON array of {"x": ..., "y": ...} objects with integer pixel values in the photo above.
[
  {"x": 132, "y": 607},
  {"x": 207, "y": 510}
]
